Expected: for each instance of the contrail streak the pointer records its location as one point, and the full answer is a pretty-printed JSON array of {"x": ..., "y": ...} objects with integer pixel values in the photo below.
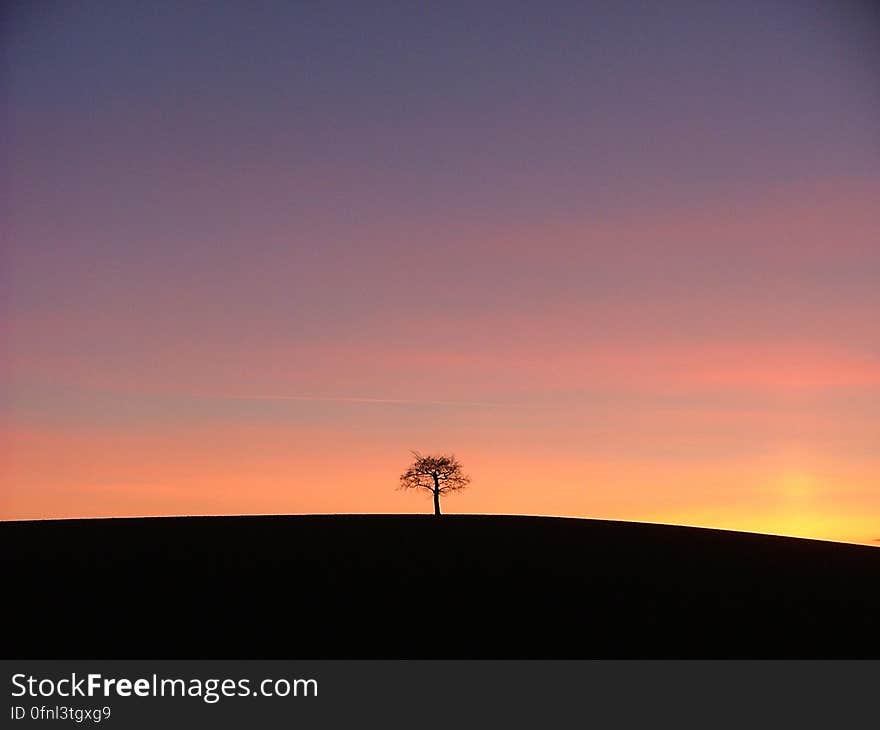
[{"x": 373, "y": 401}]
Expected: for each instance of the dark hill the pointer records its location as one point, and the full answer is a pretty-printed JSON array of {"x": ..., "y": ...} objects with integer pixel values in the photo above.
[{"x": 418, "y": 587}]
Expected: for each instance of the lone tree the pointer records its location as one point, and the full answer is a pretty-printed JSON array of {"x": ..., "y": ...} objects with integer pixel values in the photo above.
[{"x": 436, "y": 474}]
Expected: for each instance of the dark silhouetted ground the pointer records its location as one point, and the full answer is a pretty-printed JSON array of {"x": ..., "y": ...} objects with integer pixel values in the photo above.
[{"x": 417, "y": 587}]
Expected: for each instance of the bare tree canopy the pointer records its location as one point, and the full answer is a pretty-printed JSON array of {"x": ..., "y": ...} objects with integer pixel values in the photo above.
[{"x": 436, "y": 474}]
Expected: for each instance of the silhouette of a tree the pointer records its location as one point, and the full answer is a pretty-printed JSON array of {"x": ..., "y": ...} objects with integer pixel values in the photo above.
[{"x": 436, "y": 474}]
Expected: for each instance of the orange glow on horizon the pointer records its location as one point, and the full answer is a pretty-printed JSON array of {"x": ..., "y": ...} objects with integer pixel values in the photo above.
[{"x": 248, "y": 470}]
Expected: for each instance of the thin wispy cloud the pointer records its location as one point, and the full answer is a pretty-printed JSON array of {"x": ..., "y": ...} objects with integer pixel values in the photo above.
[{"x": 374, "y": 401}]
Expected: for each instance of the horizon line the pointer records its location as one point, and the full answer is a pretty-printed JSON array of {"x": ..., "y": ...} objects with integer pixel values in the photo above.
[{"x": 871, "y": 543}]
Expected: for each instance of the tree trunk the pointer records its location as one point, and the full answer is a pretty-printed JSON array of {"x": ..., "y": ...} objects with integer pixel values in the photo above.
[{"x": 436, "y": 491}]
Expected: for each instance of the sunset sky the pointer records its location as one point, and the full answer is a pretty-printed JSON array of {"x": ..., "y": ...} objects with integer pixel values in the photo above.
[{"x": 621, "y": 258}]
